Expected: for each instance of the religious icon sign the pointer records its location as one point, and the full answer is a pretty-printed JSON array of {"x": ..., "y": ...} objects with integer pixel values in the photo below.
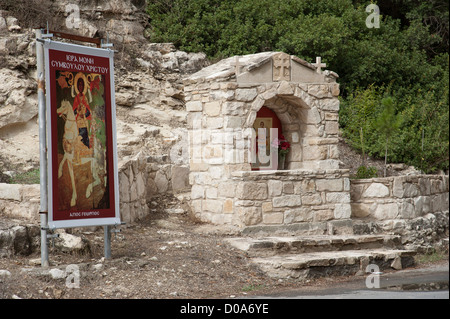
[{"x": 83, "y": 183}]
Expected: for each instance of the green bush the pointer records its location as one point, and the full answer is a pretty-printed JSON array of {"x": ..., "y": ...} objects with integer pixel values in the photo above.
[{"x": 366, "y": 172}]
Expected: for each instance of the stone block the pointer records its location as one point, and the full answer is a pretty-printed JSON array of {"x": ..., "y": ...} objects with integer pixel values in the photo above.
[
  {"x": 194, "y": 106},
  {"x": 376, "y": 190},
  {"x": 227, "y": 189},
  {"x": 385, "y": 211},
  {"x": 319, "y": 90},
  {"x": 397, "y": 189},
  {"x": 180, "y": 178},
  {"x": 288, "y": 188},
  {"x": 250, "y": 190},
  {"x": 410, "y": 190},
  {"x": 422, "y": 205},
  {"x": 338, "y": 197},
  {"x": 329, "y": 185},
  {"x": 295, "y": 215},
  {"x": 360, "y": 210},
  {"x": 315, "y": 153},
  {"x": 273, "y": 218},
  {"x": 267, "y": 207},
  {"x": 275, "y": 188},
  {"x": 10, "y": 192},
  {"x": 313, "y": 199},
  {"x": 287, "y": 201},
  {"x": 124, "y": 188},
  {"x": 162, "y": 184},
  {"x": 332, "y": 127},
  {"x": 211, "y": 192},
  {"x": 249, "y": 215},
  {"x": 212, "y": 108},
  {"x": 407, "y": 210},
  {"x": 329, "y": 104},
  {"x": 228, "y": 206},
  {"x": 323, "y": 215},
  {"x": 213, "y": 206},
  {"x": 245, "y": 95},
  {"x": 342, "y": 211},
  {"x": 197, "y": 191}
]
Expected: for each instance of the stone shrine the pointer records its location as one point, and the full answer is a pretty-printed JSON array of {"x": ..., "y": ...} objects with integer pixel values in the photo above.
[{"x": 224, "y": 102}]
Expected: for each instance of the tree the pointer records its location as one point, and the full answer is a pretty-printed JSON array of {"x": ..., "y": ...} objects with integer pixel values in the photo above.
[{"x": 387, "y": 125}]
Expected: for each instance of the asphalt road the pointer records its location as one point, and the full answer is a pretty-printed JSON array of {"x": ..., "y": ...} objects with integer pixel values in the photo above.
[{"x": 430, "y": 282}]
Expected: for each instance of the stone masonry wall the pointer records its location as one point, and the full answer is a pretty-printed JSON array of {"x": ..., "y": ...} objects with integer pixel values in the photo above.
[
  {"x": 140, "y": 179},
  {"x": 416, "y": 207},
  {"x": 400, "y": 197},
  {"x": 318, "y": 199}
]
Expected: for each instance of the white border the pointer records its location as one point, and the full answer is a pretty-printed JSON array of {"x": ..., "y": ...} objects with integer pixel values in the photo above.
[{"x": 79, "y": 49}]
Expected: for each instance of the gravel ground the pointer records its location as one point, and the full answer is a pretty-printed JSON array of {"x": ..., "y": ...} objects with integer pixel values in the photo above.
[{"x": 165, "y": 257}]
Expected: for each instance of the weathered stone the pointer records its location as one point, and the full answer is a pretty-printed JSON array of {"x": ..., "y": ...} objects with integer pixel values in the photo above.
[
  {"x": 296, "y": 215},
  {"x": 386, "y": 211},
  {"x": 249, "y": 190},
  {"x": 10, "y": 191},
  {"x": 287, "y": 201},
  {"x": 313, "y": 199},
  {"x": 335, "y": 197},
  {"x": 376, "y": 190},
  {"x": 273, "y": 218},
  {"x": 246, "y": 95},
  {"x": 180, "y": 178},
  {"x": 71, "y": 243},
  {"x": 342, "y": 211},
  {"x": 212, "y": 108},
  {"x": 213, "y": 206},
  {"x": 250, "y": 215},
  {"x": 360, "y": 210},
  {"x": 161, "y": 182},
  {"x": 330, "y": 185},
  {"x": 407, "y": 210},
  {"x": 194, "y": 106}
]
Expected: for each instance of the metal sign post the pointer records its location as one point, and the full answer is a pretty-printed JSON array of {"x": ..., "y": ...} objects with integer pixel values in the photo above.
[{"x": 42, "y": 148}]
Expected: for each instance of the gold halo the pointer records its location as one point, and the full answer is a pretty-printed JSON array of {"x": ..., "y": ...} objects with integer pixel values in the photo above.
[{"x": 75, "y": 82}]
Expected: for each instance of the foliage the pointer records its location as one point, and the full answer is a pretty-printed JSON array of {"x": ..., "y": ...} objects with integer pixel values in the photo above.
[
  {"x": 30, "y": 177},
  {"x": 387, "y": 124},
  {"x": 366, "y": 172},
  {"x": 406, "y": 58}
]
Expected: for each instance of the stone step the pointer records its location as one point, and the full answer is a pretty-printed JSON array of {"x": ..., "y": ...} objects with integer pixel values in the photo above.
[
  {"x": 338, "y": 263},
  {"x": 271, "y": 246}
]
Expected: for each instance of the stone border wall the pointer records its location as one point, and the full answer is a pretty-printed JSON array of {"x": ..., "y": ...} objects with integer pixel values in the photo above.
[
  {"x": 401, "y": 197},
  {"x": 416, "y": 207},
  {"x": 20, "y": 201},
  {"x": 140, "y": 179}
]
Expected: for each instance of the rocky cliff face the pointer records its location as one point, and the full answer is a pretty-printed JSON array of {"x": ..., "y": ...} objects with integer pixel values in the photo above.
[{"x": 151, "y": 116}]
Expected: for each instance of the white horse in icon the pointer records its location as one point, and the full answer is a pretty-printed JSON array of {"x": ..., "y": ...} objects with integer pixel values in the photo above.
[{"x": 70, "y": 138}]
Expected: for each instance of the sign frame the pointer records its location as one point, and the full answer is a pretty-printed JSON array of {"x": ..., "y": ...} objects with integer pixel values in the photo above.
[{"x": 81, "y": 61}]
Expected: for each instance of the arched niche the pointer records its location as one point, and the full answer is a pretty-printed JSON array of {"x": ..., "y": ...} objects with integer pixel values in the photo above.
[{"x": 287, "y": 114}]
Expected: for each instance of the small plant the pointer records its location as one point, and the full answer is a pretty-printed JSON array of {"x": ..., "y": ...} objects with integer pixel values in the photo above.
[
  {"x": 366, "y": 172},
  {"x": 30, "y": 177},
  {"x": 252, "y": 287}
]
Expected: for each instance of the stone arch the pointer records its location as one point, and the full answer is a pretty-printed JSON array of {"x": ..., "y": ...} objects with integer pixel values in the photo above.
[{"x": 286, "y": 100}]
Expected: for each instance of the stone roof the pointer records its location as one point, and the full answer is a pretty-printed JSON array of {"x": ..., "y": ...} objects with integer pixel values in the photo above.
[{"x": 247, "y": 66}]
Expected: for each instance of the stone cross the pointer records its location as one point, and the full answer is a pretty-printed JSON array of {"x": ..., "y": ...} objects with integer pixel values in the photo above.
[
  {"x": 319, "y": 65},
  {"x": 237, "y": 65},
  {"x": 282, "y": 67}
]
